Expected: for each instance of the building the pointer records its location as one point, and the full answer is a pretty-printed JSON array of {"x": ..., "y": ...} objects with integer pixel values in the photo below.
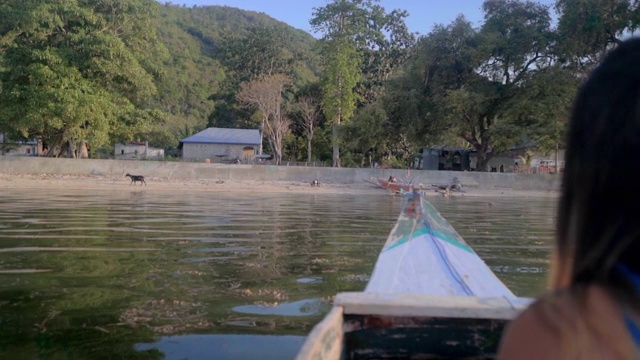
[
  {"x": 20, "y": 148},
  {"x": 221, "y": 145},
  {"x": 499, "y": 162},
  {"x": 539, "y": 163},
  {"x": 528, "y": 160},
  {"x": 443, "y": 158},
  {"x": 525, "y": 160},
  {"x": 519, "y": 159},
  {"x": 137, "y": 150}
]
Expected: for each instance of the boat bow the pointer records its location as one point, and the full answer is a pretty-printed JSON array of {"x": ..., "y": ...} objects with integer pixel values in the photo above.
[
  {"x": 430, "y": 296},
  {"x": 425, "y": 255}
]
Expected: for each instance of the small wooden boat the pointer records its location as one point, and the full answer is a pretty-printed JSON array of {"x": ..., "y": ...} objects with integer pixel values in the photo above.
[
  {"x": 429, "y": 296},
  {"x": 394, "y": 186}
]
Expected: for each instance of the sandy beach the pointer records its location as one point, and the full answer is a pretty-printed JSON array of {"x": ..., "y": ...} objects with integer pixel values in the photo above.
[{"x": 55, "y": 181}]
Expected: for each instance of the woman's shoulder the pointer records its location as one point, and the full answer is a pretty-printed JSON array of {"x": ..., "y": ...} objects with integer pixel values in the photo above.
[
  {"x": 541, "y": 331},
  {"x": 531, "y": 335}
]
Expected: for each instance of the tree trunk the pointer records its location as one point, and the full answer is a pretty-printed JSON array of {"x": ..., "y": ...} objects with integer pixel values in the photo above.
[
  {"x": 83, "y": 150},
  {"x": 482, "y": 158},
  {"x": 63, "y": 150},
  {"x": 336, "y": 147},
  {"x": 261, "y": 137},
  {"x": 278, "y": 157},
  {"x": 308, "y": 148},
  {"x": 274, "y": 150}
]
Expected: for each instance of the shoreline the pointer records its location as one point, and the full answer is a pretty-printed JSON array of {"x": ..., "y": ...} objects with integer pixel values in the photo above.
[{"x": 163, "y": 184}]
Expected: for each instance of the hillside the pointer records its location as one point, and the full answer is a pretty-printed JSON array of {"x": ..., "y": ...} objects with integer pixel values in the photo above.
[{"x": 194, "y": 73}]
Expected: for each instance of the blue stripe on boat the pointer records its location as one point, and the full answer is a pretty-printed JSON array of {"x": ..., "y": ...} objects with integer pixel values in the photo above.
[{"x": 434, "y": 233}]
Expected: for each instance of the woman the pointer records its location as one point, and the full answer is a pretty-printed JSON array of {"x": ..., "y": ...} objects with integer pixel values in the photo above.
[{"x": 593, "y": 310}]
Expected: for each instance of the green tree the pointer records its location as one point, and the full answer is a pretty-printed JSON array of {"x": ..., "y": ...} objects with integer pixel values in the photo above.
[
  {"x": 386, "y": 45},
  {"x": 201, "y": 76},
  {"x": 77, "y": 72},
  {"x": 261, "y": 52},
  {"x": 420, "y": 101},
  {"x": 588, "y": 29},
  {"x": 340, "y": 21},
  {"x": 367, "y": 133},
  {"x": 515, "y": 44},
  {"x": 339, "y": 97},
  {"x": 474, "y": 78},
  {"x": 361, "y": 46},
  {"x": 541, "y": 110}
]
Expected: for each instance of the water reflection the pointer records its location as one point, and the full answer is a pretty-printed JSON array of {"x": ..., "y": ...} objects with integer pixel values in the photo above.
[
  {"x": 98, "y": 273},
  {"x": 195, "y": 347},
  {"x": 310, "y": 280},
  {"x": 305, "y": 307}
]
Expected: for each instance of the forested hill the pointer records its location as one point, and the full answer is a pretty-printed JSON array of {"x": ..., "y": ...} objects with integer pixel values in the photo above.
[
  {"x": 93, "y": 73},
  {"x": 196, "y": 72},
  {"x": 210, "y": 23}
]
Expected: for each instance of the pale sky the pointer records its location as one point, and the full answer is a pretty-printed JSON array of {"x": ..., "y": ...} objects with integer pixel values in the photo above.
[{"x": 423, "y": 14}]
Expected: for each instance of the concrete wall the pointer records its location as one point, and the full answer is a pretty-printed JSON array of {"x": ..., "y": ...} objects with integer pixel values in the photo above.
[{"x": 181, "y": 170}]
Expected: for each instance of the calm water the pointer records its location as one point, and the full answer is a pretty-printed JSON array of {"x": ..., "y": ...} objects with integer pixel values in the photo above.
[{"x": 145, "y": 275}]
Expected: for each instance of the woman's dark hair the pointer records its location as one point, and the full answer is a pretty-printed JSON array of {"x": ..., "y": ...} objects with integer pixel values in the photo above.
[{"x": 599, "y": 210}]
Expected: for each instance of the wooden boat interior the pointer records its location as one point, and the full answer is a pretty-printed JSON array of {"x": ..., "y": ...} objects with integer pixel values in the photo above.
[{"x": 411, "y": 326}]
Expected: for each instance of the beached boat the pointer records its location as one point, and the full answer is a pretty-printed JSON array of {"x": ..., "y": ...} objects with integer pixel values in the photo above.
[
  {"x": 395, "y": 186},
  {"x": 429, "y": 296}
]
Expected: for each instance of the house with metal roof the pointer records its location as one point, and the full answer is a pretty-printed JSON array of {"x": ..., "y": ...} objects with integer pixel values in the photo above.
[{"x": 221, "y": 145}]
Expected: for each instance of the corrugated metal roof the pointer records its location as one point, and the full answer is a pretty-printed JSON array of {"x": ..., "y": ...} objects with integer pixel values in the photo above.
[{"x": 225, "y": 136}]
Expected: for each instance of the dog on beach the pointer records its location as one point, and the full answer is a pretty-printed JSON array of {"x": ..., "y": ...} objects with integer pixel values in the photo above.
[
  {"x": 315, "y": 183},
  {"x": 136, "y": 178}
]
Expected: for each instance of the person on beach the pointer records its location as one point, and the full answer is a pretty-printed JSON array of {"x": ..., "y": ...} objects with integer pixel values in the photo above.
[{"x": 593, "y": 308}]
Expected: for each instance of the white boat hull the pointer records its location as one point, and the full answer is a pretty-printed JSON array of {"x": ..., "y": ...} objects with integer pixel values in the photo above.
[
  {"x": 425, "y": 255},
  {"x": 429, "y": 296}
]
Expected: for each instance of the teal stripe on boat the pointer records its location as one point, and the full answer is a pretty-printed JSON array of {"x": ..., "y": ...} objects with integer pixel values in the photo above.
[{"x": 438, "y": 234}]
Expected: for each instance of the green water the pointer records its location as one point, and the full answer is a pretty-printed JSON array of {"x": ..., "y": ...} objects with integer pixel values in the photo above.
[{"x": 145, "y": 275}]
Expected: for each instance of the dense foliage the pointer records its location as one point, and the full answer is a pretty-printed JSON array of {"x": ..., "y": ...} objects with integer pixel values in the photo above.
[
  {"x": 77, "y": 72},
  {"x": 95, "y": 72},
  {"x": 213, "y": 50}
]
